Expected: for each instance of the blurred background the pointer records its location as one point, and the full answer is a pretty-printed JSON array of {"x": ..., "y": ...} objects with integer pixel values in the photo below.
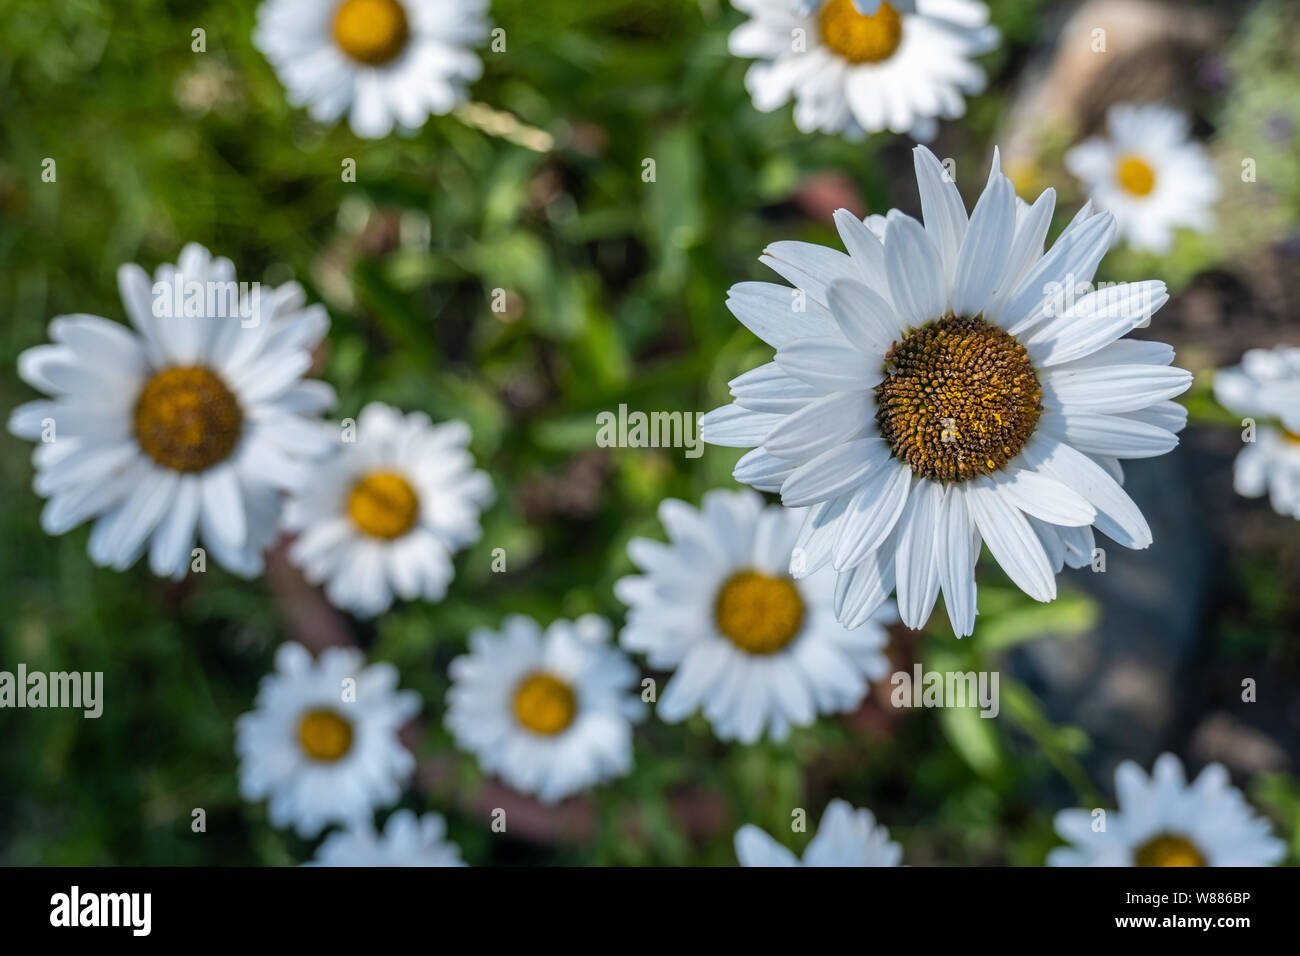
[{"x": 615, "y": 291}]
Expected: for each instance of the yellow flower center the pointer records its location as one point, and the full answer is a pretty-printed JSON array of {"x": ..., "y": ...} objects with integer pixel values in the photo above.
[
  {"x": 1169, "y": 850},
  {"x": 186, "y": 419},
  {"x": 383, "y": 505},
  {"x": 959, "y": 399},
  {"x": 324, "y": 735},
  {"x": 758, "y": 613},
  {"x": 373, "y": 32},
  {"x": 859, "y": 38},
  {"x": 544, "y": 704},
  {"x": 1135, "y": 175}
]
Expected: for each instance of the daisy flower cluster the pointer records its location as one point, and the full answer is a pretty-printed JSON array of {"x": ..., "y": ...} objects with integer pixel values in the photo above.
[
  {"x": 321, "y": 744},
  {"x": 1149, "y": 173},
  {"x": 752, "y": 647},
  {"x": 861, "y": 66},
  {"x": 845, "y": 837},
  {"x": 203, "y": 427},
  {"x": 1266, "y": 385},
  {"x": 1163, "y": 820},
  {"x": 182, "y": 427},
  {"x": 385, "y": 63},
  {"x": 383, "y": 517},
  {"x": 942, "y": 385}
]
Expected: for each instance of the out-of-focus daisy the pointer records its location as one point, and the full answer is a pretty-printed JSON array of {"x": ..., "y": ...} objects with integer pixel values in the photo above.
[
  {"x": 385, "y": 62},
  {"x": 749, "y": 645},
  {"x": 946, "y": 386},
  {"x": 384, "y": 515},
  {"x": 550, "y": 713},
  {"x": 185, "y": 427},
  {"x": 903, "y": 66},
  {"x": 1164, "y": 821},
  {"x": 406, "y": 841},
  {"x": 1149, "y": 174},
  {"x": 1266, "y": 385},
  {"x": 321, "y": 743},
  {"x": 845, "y": 837}
]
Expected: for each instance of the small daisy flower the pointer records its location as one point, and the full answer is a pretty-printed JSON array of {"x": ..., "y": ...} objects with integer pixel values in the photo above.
[
  {"x": 550, "y": 713},
  {"x": 845, "y": 837},
  {"x": 385, "y": 62},
  {"x": 950, "y": 385},
  {"x": 321, "y": 743},
  {"x": 185, "y": 427},
  {"x": 384, "y": 515},
  {"x": 1164, "y": 821},
  {"x": 752, "y": 647},
  {"x": 406, "y": 841},
  {"x": 1266, "y": 385},
  {"x": 1149, "y": 174},
  {"x": 860, "y": 66}
]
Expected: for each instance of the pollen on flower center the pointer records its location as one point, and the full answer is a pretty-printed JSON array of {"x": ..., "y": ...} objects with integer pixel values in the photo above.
[
  {"x": 860, "y": 38},
  {"x": 758, "y": 613},
  {"x": 186, "y": 419},
  {"x": 1135, "y": 175},
  {"x": 959, "y": 398},
  {"x": 1169, "y": 850},
  {"x": 544, "y": 703},
  {"x": 325, "y": 735},
  {"x": 383, "y": 505},
  {"x": 373, "y": 32}
]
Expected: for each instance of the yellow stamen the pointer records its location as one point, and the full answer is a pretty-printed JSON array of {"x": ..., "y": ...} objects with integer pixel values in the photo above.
[
  {"x": 1135, "y": 175},
  {"x": 758, "y": 613},
  {"x": 859, "y": 38},
  {"x": 373, "y": 32},
  {"x": 325, "y": 735},
  {"x": 383, "y": 505},
  {"x": 1169, "y": 850},
  {"x": 544, "y": 704},
  {"x": 186, "y": 419},
  {"x": 959, "y": 399}
]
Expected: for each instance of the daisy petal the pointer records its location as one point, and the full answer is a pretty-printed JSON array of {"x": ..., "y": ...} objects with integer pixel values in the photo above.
[
  {"x": 982, "y": 261},
  {"x": 1044, "y": 498},
  {"x": 957, "y": 562},
  {"x": 867, "y": 320},
  {"x": 1115, "y": 388},
  {"x": 1011, "y": 540},
  {"x": 1111, "y": 435},
  {"x": 916, "y": 279},
  {"x": 833, "y": 472},
  {"x": 917, "y": 559},
  {"x": 941, "y": 208}
]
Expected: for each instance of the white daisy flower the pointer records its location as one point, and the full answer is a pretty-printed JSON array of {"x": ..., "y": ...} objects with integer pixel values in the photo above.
[
  {"x": 858, "y": 69},
  {"x": 1164, "y": 821},
  {"x": 406, "y": 841},
  {"x": 1266, "y": 385},
  {"x": 552, "y": 713},
  {"x": 845, "y": 837},
  {"x": 947, "y": 386},
  {"x": 322, "y": 743},
  {"x": 385, "y": 514},
  {"x": 185, "y": 426},
  {"x": 385, "y": 62},
  {"x": 1149, "y": 174},
  {"x": 749, "y": 645}
]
